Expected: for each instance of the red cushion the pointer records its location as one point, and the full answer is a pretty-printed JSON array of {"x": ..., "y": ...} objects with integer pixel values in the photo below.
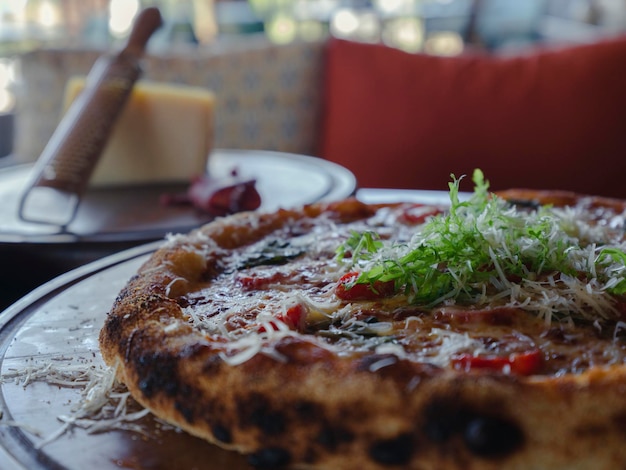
[{"x": 554, "y": 119}]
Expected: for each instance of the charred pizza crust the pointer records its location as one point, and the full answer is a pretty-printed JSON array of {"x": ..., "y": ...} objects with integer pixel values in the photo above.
[{"x": 319, "y": 408}]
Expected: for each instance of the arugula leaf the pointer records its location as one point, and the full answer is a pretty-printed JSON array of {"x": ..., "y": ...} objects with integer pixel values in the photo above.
[
  {"x": 610, "y": 254},
  {"x": 359, "y": 245},
  {"x": 484, "y": 244},
  {"x": 274, "y": 252}
]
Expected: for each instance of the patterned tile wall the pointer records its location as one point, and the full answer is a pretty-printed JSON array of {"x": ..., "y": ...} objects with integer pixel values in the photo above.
[{"x": 268, "y": 96}]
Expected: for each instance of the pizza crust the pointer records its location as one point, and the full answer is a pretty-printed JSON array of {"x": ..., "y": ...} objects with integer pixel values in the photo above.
[{"x": 323, "y": 410}]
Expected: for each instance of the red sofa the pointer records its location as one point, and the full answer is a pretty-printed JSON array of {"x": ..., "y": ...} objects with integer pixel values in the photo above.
[{"x": 554, "y": 118}]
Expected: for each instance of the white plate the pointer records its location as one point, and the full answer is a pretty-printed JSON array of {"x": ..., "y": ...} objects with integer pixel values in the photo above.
[
  {"x": 135, "y": 213},
  {"x": 112, "y": 220}
]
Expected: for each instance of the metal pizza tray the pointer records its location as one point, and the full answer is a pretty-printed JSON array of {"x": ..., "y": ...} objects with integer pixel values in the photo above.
[{"x": 59, "y": 323}]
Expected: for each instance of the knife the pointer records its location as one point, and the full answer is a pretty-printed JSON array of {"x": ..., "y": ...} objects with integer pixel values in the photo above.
[{"x": 61, "y": 174}]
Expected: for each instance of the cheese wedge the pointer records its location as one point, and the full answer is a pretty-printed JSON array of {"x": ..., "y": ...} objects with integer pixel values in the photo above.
[{"x": 164, "y": 135}]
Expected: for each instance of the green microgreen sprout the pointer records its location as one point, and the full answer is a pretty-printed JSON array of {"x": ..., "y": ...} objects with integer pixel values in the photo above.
[{"x": 484, "y": 247}]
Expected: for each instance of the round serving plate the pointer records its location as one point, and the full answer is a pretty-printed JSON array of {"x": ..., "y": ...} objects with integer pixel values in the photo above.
[{"x": 110, "y": 220}]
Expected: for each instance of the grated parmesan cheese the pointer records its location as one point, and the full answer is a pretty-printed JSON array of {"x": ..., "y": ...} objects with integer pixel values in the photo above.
[{"x": 104, "y": 403}]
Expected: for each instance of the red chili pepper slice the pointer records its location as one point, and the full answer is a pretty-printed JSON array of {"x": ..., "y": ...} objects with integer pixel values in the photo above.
[
  {"x": 418, "y": 213},
  {"x": 294, "y": 317},
  {"x": 348, "y": 290},
  {"x": 526, "y": 363},
  {"x": 260, "y": 281}
]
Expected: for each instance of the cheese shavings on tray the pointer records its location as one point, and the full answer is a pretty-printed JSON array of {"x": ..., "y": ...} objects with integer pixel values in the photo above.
[{"x": 104, "y": 404}]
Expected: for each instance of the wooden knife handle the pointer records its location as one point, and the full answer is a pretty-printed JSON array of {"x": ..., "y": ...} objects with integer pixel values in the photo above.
[{"x": 72, "y": 152}]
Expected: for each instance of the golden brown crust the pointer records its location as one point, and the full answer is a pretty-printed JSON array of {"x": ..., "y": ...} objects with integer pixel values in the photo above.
[
  {"x": 560, "y": 198},
  {"x": 321, "y": 409}
]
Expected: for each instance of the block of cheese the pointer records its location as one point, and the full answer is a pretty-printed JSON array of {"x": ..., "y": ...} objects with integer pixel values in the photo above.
[{"x": 164, "y": 135}]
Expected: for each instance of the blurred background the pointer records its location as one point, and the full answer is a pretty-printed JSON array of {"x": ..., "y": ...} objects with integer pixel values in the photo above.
[
  {"x": 441, "y": 27},
  {"x": 264, "y": 59}
]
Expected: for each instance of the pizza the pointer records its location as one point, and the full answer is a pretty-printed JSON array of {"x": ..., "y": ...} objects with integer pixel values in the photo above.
[{"x": 486, "y": 333}]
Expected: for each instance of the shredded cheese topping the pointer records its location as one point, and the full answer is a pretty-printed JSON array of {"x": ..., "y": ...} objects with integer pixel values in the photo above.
[
  {"x": 556, "y": 262},
  {"x": 462, "y": 277}
]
